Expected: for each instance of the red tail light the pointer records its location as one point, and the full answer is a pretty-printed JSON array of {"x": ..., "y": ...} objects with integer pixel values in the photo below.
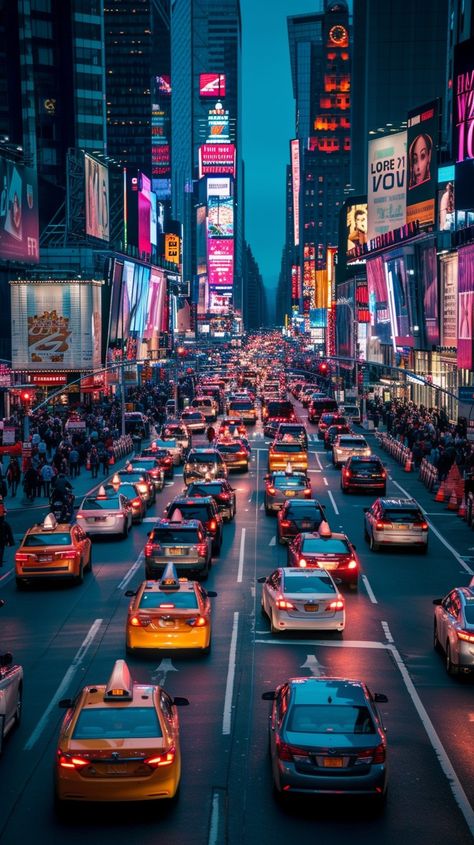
[
  {"x": 271, "y": 490},
  {"x": 152, "y": 547},
  {"x": 352, "y": 564},
  {"x": 70, "y": 555},
  {"x": 202, "y": 548},
  {"x": 66, "y": 761},
  {"x": 285, "y": 523},
  {"x": 136, "y": 501},
  {"x": 212, "y": 525},
  {"x": 224, "y": 497},
  {"x": 139, "y": 621},
  {"x": 465, "y": 636},
  {"x": 380, "y": 524},
  {"x": 422, "y": 525},
  {"x": 282, "y": 604},
  {"x": 347, "y": 473},
  {"x": 166, "y": 758},
  {"x": 21, "y": 558},
  {"x": 337, "y": 604},
  {"x": 375, "y": 755},
  {"x": 288, "y": 752},
  {"x": 302, "y": 562},
  {"x": 197, "y": 622}
]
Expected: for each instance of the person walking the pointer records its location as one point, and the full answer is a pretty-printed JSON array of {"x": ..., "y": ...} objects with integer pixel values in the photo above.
[
  {"x": 13, "y": 475},
  {"x": 74, "y": 462},
  {"x": 105, "y": 460},
  {"x": 94, "y": 462},
  {"x": 6, "y": 537},
  {"x": 30, "y": 480},
  {"x": 47, "y": 474}
]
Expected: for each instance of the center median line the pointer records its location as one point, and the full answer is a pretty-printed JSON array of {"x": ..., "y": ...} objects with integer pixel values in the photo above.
[
  {"x": 131, "y": 572},
  {"x": 63, "y": 686}
]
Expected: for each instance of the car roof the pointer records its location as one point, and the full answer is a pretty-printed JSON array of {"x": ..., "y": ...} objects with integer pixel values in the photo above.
[
  {"x": 191, "y": 500},
  {"x": 399, "y": 503},
  {"x": 300, "y": 503},
  {"x": 185, "y": 523},
  {"x": 363, "y": 459},
  {"x": 323, "y": 690}
]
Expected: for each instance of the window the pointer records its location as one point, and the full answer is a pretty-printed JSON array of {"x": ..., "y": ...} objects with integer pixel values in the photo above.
[
  {"x": 41, "y": 29},
  {"x": 44, "y": 56}
]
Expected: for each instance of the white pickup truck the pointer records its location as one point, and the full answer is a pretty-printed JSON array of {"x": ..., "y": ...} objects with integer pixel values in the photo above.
[{"x": 11, "y": 690}]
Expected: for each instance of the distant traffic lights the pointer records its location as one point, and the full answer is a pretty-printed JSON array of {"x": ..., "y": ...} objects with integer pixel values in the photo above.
[
  {"x": 25, "y": 397},
  {"x": 324, "y": 368}
]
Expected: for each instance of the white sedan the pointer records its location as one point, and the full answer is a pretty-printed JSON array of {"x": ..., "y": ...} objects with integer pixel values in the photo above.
[
  {"x": 346, "y": 445},
  {"x": 302, "y": 600},
  {"x": 11, "y": 688},
  {"x": 108, "y": 512}
]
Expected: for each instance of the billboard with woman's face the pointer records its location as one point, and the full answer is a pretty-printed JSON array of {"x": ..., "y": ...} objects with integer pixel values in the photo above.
[{"x": 422, "y": 145}]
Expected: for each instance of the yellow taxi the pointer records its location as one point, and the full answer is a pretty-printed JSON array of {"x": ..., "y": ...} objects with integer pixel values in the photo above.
[
  {"x": 282, "y": 452},
  {"x": 172, "y": 613},
  {"x": 51, "y": 550},
  {"x": 118, "y": 742}
]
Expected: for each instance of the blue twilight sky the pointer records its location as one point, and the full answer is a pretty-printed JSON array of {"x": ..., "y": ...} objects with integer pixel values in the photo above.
[{"x": 268, "y": 124}]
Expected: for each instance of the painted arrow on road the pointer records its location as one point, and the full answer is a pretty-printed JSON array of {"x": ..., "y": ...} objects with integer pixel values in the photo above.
[
  {"x": 312, "y": 663},
  {"x": 161, "y": 671}
]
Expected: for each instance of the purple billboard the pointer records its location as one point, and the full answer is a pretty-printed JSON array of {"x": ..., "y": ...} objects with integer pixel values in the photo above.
[
  {"x": 465, "y": 306},
  {"x": 19, "y": 229}
]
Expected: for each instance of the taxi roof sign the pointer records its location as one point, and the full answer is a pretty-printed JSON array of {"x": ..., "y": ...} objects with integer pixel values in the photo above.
[
  {"x": 116, "y": 478},
  {"x": 324, "y": 529},
  {"x": 169, "y": 580},
  {"x": 289, "y": 468},
  {"x": 120, "y": 684},
  {"x": 101, "y": 494},
  {"x": 50, "y": 522}
]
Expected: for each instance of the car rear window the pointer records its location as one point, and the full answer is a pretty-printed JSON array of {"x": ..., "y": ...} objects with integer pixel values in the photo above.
[
  {"x": 48, "y": 539},
  {"x": 330, "y": 719},
  {"x": 133, "y": 476},
  {"x": 323, "y": 546},
  {"x": 194, "y": 511},
  {"x": 241, "y": 405},
  {"x": 205, "y": 490},
  {"x": 279, "y": 409},
  {"x": 179, "y": 536},
  {"x": 308, "y": 584},
  {"x": 366, "y": 466},
  {"x": 288, "y": 483},
  {"x": 283, "y": 446},
  {"x": 195, "y": 416},
  {"x": 153, "y": 601},
  {"x": 101, "y": 504},
  {"x": 403, "y": 515},
  {"x": 229, "y": 448},
  {"x": 306, "y": 511},
  {"x": 117, "y": 723}
]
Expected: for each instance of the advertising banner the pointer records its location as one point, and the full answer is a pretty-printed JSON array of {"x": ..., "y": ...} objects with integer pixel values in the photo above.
[
  {"x": 399, "y": 302},
  {"x": 295, "y": 179},
  {"x": 220, "y": 262},
  {"x": 465, "y": 307},
  {"x": 160, "y": 137},
  {"x": 56, "y": 325},
  {"x": 446, "y": 199},
  {"x": 463, "y": 123},
  {"x": 97, "y": 198},
  {"x": 356, "y": 226},
  {"x": 220, "y": 301},
  {"x": 19, "y": 228},
  {"x": 362, "y": 301},
  {"x": 386, "y": 194},
  {"x": 422, "y": 155},
  {"x": 215, "y": 159},
  {"x": 220, "y": 217},
  {"x": 212, "y": 85},
  {"x": 218, "y": 126},
  {"x": 154, "y": 307},
  {"x": 137, "y": 211},
  {"x": 218, "y": 187},
  {"x": 449, "y": 299},
  {"x": 378, "y": 301},
  {"x": 172, "y": 248},
  {"x": 428, "y": 288}
]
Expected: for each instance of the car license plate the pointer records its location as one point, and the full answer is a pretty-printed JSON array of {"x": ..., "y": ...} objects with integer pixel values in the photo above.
[
  {"x": 311, "y": 608},
  {"x": 118, "y": 771},
  {"x": 333, "y": 762},
  {"x": 306, "y": 523},
  {"x": 45, "y": 558},
  {"x": 289, "y": 492},
  {"x": 176, "y": 551},
  {"x": 166, "y": 623},
  {"x": 100, "y": 518}
]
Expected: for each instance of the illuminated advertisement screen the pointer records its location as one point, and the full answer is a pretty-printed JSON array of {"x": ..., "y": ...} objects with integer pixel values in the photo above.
[
  {"x": 138, "y": 210},
  {"x": 362, "y": 301},
  {"x": 218, "y": 126},
  {"x": 344, "y": 328},
  {"x": 220, "y": 217},
  {"x": 218, "y": 187},
  {"x": 144, "y": 214},
  {"x": 115, "y": 324},
  {"x": 399, "y": 302},
  {"x": 356, "y": 226},
  {"x": 449, "y": 299},
  {"x": 215, "y": 159},
  {"x": 160, "y": 137},
  {"x": 465, "y": 306},
  {"x": 212, "y": 85},
  {"x": 386, "y": 194},
  {"x": 162, "y": 188},
  {"x": 295, "y": 178},
  {"x": 56, "y": 325},
  {"x": 201, "y": 237},
  {"x": 378, "y": 300},
  {"x": 153, "y": 219},
  {"x": 154, "y": 307},
  {"x": 163, "y": 85},
  {"x": 462, "y": 123},
  {"x": 220, "y": 262},
  {"x": 19, "y": 228},
  {"x": 446, "y": 199},
  {"x": 220, "y": 301},
  {"x": 138, "y": 309},
  {"x": 318, "y": 318},
  {"x": 422, "y": 163},
  {"x": 172, "y": 248},
  {"x": 428, "y": 289},
  {"x": 97, "y": 198}
]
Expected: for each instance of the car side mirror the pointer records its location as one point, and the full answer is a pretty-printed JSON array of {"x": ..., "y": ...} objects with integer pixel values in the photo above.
[
  {"x": 437, "y": 601},
  {"x": 354, "y": 547},
  {"x": 65, "y": 703},
  {"x": 6, "y": 659},
  {"x": 380, "y": 698},
  {"x": 130, "y": 593},
  {"x": 211, "y": 593},
  {"x": 262, "y": 579},
  {"x": 269, "y": 696},
  {"x": 180, "y": 701}
]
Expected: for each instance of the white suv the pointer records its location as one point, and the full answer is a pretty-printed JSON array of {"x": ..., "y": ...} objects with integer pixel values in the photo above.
[{"x": 346, "y": 445}]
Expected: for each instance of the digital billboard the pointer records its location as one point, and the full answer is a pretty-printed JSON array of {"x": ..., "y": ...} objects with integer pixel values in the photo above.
[
  {"x": 428, "y": 290},
  {"x": 172, "y": 248},
  {"x": 463, "y": 123},
  {"x": 154, "y": 309},
  {"x": 446, "y": 199},
  {"x": 386, "y": 193},
  {"x": 295, "y": 180},
  {"x": 137, "y": 210},
  {"x": 422, "y": 163},
  {"x": 399, "y": 301},
  {"x": 220, "y": 301},
  {"x": 215, "y": 159},
  {"x": 449, "y": 299},
  {"x": 378, "y": 301},
  {"x": 19, "y": 229},
  {"x": 218, "y": 186},
  {"x": 465, "y": 307},
  {"x": 212, "y": 85},
  {"x": 144, "y": 215},
  {"x": 220, "y": 262},
  {"x": 220, "y": 217},
  {"x": 56, "y": 325},
  {"x": 356, "y": 226},
  {"x": 160, "y": 137},
  {"x": 97, "y": 198},
  {"x": 218, "y": 126}
]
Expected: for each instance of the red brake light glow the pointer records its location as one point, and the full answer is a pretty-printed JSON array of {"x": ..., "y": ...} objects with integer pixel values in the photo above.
[
  {"x": 164, "y": 759},
  {"x": 337, "y": 604},
  {"x": 465, "y": 636},
  {"x": 302, "y": 562},
  {"x": 67, "y": 762}
]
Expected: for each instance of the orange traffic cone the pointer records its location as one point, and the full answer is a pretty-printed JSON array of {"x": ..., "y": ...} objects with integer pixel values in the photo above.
[
  {"x": 440, "y": 494},
  {"x": 453, "y": 502},
  {"x": 462, "y": 508},
  {"x": 409, "y": 462}
]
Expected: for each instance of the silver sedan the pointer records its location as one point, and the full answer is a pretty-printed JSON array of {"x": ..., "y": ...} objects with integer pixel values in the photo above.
[
  {"x": 454, "y": 629},
  {"x": 105, "y": 513},
  {"x": 302, "y": 601}
]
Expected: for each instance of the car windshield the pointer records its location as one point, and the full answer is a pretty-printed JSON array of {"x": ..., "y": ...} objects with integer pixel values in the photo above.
[
  {"x": 308, "y": 584},
  {"x": 323, "y": 546},
  {"x": 403, "y": 515},
  {"x": 48, "y": 539},
  {"x": 117, "y": 723},
  {"x": 330, "y": 719},
  {"x": 101, "y": 505},
  {"x": 203, "y": 458},
  {"x": 283, "y": 446},
  {"x": 178, "y": 536},
  {"x": 153, "y": 601},
  {"x": 288, "y": 483}
]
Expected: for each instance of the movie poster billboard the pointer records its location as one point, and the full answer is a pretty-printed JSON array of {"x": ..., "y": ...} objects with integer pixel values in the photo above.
[
  {"x": 356, "y": 226},
  {"x": 212, "y": 85},
  {"x": 463, "y": 123},
  {"x": 422, "y": 163},
  {"x": 220, "y": 262},
  {"x": 446, "y": 199},
  {"x": 220, "y": 217},
  {"x": 378, "y": 301},
  {"x": 97, "y": 198},
  {"x": 386, "y": 191},
  {"x": 465, "y": 307},
  {"x": 19, "y": 228},
  {"x": 56, "y": 325},
  {"x": 449, "y": 299}
]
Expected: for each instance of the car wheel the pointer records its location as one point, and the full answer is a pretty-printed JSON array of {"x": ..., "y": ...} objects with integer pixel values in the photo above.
[
  {"x": 204, "y": 572},
  {"x": 374, "y": 547},
  {"x": 262, "y": 609},
  {"x": 18, "y": 706},
  {"x": 20, "y": 585},
  {"x": 268, "y": 511},
  {"x": 129, "y": 649},
  {"x": 344, "y": 489},
  {"x": 124, "y": 534},
  {"x": 424, "y": 549},
  {"x": 366, "y": 533},
  {"x": 207, "y": 649},
  {"x": 273, "y": 629},
  {"x": 451, "y": 667},
  {"x": 384, "y": 491},
  {"x": 281, "y": 540},
  {"x": 436, "y": 642}
]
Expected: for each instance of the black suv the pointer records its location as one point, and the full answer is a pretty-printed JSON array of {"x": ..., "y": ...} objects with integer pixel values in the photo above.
[
  {"x": 182, "y": 543},
  {"x": 205, "y": 510},
  {"x": 203, "y": 464},
  {"x": 363, "y": 473},
  {"x": 222, "y": 493},
  {"x": 299, "y": 515},
  {"x": 295, "y": 430}
]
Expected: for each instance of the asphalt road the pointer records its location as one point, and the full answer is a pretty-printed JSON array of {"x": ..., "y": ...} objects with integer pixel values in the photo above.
[{"x": 66, "y": 637}]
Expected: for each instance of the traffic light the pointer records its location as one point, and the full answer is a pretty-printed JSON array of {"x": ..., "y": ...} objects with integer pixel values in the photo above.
[
  {"x": 323, "y": 368},
  {"x": 25, "y": 397}
]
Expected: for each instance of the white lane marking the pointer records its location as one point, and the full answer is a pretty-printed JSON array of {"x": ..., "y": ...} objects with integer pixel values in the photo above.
[
  {"x": 262, "y": 507},
  {"x": 8, "y": 576},
  {"x": 440, "y": 536},
  {"x": 314, "y": 470},
  {"x": 150, "y": 518},
  {"x": 63, "y": 686},
  {"x": 371, "y": 644},
  {"x": 272, "y": 542},
  {"x": 161, "y": 671},
  {"x": 312, "y": 663},
  {"x": 386, "y": 631},
  {"x": 333, "y": 502},
  {"x": 455, "y": 785},
  {"x": 318, "y": 460},
  {"x": 229, "y": 687},
  {"x": 326, "y": 481},
  {"x": 214, "y": 826},
  {"x": 241, "y": 556},
  {"x": 369, "y": 589},
  {"x": 131, "y": 572}
]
